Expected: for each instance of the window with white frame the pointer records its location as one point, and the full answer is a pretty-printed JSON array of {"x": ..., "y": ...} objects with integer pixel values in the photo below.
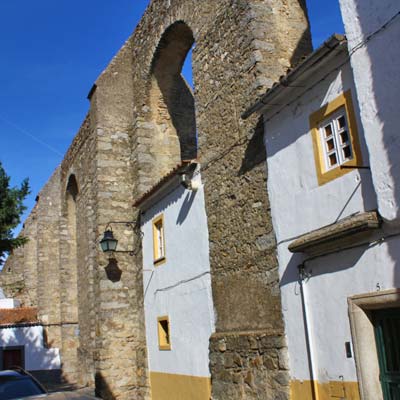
[{"x": 336, "y": 140}]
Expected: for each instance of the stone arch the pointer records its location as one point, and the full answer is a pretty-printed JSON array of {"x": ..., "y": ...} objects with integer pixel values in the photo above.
[
  {"x": 171, "y": 99},
  {"x": 69, "y": 282},
  {"x": 72, "y": 187},
  {"x": 71, "y": 194}
]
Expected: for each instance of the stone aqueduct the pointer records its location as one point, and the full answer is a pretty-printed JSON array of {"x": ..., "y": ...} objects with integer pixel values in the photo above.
[{"x": 143, "y": 120}]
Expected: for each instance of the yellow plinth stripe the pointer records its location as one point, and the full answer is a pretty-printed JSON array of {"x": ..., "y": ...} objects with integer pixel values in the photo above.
[
  {"x": 179, "y": 387},
  {"x": 303, "y": 390}
]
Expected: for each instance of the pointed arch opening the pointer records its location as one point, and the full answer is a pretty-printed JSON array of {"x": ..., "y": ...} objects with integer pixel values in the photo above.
[
  {"x": 72, "y": 192},
  {"x": 171, "y": 97},
  {"x": 72, "y": 187},
  {"x": 69, "y": 283}
]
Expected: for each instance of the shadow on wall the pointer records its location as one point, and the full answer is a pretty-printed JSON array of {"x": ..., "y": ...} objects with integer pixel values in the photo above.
[
  {"x": 304, "y": 46},
  {"x": 255, "y": 151},
  {"x": 103, "y": 390},
  {"x": 187, "y": 204},
  {"x": 327, "y": 264},
  {"x": 113, "y": 272},
  {"x": 384, "y": 57}
]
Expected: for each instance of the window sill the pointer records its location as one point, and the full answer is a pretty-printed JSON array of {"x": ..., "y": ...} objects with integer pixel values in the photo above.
[{"x": 159, "y": 261}]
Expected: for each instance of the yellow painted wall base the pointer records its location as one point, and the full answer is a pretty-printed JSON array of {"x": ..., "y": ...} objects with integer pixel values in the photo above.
[
  {"x": 333, "y": 390},
  {"x": 179, "y": 387}
]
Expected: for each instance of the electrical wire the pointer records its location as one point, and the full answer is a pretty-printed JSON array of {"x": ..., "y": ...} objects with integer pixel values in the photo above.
[
  {"x": 183, "y": 282},
  {"x": 348, "y": 58},
  {"x": 242, "y": 140}
]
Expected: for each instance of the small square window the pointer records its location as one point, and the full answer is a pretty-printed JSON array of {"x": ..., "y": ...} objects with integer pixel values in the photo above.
[
  {"x": 158, "y": 240},
  {"x": 328, "y": 131},
  {"x": 344, "y": 137},
  {"x": 347, "y": 152},
  {"x": 335, "y": 138},
  {"x": 341, "y": 122},
  {"x": 164, "y": 338},
  {"x": 332, "y": 159}
]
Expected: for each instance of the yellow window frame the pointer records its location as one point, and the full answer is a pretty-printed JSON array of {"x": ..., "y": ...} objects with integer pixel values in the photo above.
[
  {"x": 316, "y": 118},
  {"x": 158, "y": 258},
  {"x": 164, "y": 333}
]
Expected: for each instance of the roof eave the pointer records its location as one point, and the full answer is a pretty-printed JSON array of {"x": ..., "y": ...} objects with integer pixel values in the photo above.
[{"x": 167, "y": 184}]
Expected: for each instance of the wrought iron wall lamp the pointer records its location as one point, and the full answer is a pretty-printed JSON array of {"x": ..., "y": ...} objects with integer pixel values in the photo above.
[{"x": 109, "y": 243}]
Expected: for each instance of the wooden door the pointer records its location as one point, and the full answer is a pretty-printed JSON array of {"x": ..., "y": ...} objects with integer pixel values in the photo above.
[
  {"x": 387, "y": 334},
  {"x": 13, "y": 357}
]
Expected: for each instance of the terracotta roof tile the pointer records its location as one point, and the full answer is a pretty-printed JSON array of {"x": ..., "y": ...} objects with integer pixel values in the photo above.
[
  {"x": 162, "y": 181},
  {"x": 9, "y": 316}
]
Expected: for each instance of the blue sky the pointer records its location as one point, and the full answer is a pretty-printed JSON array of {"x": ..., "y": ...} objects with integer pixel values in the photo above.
[{"x": 52, "y": 52}]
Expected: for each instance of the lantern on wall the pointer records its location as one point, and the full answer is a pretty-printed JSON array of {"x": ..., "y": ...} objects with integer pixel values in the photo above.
[{"x": 108, "y": 243}]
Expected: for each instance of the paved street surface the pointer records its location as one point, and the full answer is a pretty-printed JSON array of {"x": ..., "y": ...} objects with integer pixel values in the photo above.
[{"x": 68, "y": 389}]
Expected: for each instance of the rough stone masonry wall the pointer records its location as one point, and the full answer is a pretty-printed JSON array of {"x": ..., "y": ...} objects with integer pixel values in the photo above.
[
  {"x": 46, "y": 274},
  {"x": 120, "y": 357},
  {"x": 47, "y": 252},
  {"x": 250, "y": 365},
  {"x": 19, "y": 275},
  {"x": 78, "y": 253},
  {"x": 242, "y": 242}
]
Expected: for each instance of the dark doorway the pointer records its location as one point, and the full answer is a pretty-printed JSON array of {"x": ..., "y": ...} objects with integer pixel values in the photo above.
[
  {"x": 13, "y": 357},
  {"x": 387, "y": 334}
]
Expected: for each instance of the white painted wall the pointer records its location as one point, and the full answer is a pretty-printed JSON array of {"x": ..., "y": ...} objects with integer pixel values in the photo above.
[
  {"x": 9, "y": 303},
  {"x": 376, "y": 73},
  {"x": 298, "y": 206},
  {"x": 181, "y": 287},
  {"x": 37, "y": 357}
]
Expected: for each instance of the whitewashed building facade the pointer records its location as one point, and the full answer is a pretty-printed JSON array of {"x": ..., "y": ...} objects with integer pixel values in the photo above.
[
  {"x": 23, "y": 342},
  {"x": 332, "y": 152},
  {"x": 179, "y": 316},
  {"x": 373, "y": 31}
]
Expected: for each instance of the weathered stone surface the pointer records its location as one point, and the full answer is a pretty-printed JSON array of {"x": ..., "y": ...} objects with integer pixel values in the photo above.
[
  {"x": 142, "y": 121},
  {"x": 248, "y": 367}
]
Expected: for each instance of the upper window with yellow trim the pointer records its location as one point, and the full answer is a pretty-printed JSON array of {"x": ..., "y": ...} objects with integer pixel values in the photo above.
[
  {"x": 335, "y": 138},
  {"x": 158, "y": 240}
]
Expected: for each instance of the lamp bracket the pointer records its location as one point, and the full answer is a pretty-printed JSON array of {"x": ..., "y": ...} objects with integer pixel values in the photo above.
[
  {"x": 134, "y": 225},
  {"x": 128, "y": 224}
]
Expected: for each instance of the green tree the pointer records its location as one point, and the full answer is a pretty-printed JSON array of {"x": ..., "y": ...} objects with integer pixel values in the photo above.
[{"x": 11, "y": 209}]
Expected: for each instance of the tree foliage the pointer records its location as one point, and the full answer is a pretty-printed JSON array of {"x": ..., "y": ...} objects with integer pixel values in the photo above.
[{"x": 11, "y": 209}]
